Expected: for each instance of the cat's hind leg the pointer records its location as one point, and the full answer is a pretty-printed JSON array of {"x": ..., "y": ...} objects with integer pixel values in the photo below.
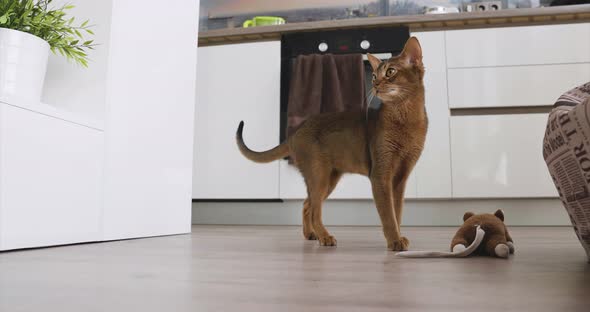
[
  {"x": 318, "y": 181},
  {"x": 308, "y": 232}
]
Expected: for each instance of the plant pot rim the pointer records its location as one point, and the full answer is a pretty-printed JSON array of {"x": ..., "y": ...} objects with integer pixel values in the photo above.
[{"x": 26, "y": 34}]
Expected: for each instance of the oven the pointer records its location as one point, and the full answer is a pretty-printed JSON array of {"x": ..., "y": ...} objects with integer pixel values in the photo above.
[{"x": 381, "y": 42}]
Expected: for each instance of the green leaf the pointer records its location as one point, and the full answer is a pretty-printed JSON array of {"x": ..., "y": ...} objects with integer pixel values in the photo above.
[{"x": 59, "y": 29}]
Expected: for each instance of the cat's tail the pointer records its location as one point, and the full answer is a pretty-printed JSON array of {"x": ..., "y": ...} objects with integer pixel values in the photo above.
[{"x": 276, "y": 153}]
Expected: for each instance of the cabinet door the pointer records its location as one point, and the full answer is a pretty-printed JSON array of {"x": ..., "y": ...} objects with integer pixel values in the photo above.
[
  {"x": 433, "y": 170},
  {"x": 50, "y": 183},
  {"x": 499, "y": 156},
  {"x": 236, "y": 82}
]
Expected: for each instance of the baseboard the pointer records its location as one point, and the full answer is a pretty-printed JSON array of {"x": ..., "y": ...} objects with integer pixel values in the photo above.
[{"x": 519, "y": 212}]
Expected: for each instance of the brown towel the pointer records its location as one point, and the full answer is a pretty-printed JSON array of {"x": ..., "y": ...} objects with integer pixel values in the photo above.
[{"x": 324, "y": 84}]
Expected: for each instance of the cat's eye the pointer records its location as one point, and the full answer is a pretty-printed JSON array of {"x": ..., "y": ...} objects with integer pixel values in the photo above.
[{"x": 390, "y": 72}]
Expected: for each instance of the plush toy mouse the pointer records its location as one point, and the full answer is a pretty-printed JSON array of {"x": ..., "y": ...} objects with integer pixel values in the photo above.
[{"x": 484, "y": 234}]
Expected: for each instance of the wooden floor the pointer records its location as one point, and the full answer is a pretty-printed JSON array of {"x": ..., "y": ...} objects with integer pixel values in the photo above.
[{"x": 232, "y": 268}]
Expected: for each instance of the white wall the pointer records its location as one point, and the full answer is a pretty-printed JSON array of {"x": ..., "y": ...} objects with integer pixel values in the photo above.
[
  {"x": 72, "y": 87},
  {"x": 150, "y": 116}
]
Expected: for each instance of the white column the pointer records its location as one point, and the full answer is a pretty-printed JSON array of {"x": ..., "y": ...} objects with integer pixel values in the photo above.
[{"x": 149, "y": 122}]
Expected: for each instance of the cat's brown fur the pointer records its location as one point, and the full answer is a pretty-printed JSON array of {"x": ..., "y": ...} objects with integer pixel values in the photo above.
[{"x": 383, "y": 145}]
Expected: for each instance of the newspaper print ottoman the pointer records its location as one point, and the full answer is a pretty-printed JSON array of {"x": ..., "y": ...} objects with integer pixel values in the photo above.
[{"x": 566, "y": 149}]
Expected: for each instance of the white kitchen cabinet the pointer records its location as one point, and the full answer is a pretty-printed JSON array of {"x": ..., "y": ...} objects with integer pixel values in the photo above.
[
  {"x": 517, "y": 46},
  {"x": 499, "y": 156},
  {"x": 51, "y": 179},
  {"x": 236, "y": 82},
  {"x": 533, "y": 85},
  {"x": 433, "y": 170}
]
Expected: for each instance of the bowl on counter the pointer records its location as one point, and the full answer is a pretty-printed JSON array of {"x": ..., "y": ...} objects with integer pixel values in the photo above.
[{"x": 264, "y": 21}]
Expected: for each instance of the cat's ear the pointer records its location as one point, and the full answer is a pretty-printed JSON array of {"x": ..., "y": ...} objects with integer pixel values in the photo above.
[
  {"x": 413, "y": 51},
  {"x": 374, "y": 61},
  {"x": 499, "y": 214},
  {"x": 467, "y": 215}
]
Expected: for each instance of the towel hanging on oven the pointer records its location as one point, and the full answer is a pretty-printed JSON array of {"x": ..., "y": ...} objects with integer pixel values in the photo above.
[{"x": 323, "y": 84}]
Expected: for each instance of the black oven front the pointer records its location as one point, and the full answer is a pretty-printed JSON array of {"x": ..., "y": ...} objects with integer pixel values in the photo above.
[{"x": 382, "y": 42}]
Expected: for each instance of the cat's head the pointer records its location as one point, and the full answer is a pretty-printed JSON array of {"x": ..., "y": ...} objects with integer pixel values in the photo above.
[{"x": 399, "y": 77}]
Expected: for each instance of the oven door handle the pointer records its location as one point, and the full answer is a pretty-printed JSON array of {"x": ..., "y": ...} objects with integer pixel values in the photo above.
[{"x": 381, "y": 56}]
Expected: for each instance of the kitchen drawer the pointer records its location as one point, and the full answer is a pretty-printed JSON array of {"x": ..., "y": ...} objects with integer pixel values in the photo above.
[
  {"x": 351, "y": 186},
  {"x": 530, "y": 45},
  {"x": 535, "y": 85},
  {"x": 499, "y": 156}
]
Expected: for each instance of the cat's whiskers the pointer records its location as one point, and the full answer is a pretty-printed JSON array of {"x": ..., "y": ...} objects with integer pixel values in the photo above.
[{"x": 370, "y": 96}]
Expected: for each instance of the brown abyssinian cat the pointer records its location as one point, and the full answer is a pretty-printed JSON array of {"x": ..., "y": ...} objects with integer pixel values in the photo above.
[{"x": 383, "y": 144}]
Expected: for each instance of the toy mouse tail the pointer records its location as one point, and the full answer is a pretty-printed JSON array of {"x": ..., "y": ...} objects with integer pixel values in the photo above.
[{"x": 456, "y": 254}]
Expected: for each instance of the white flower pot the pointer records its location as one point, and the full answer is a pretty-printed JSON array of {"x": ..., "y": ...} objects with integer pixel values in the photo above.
[{"x": 23, "y": 63}]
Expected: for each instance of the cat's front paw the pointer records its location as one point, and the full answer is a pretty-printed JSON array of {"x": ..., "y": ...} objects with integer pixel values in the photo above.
[
  {"x": 402, "y": 244},
  {"x": 310, "y": 236},
  {"x": 327, "y": 241}
]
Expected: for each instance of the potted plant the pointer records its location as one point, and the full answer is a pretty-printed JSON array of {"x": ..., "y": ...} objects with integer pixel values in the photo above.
[{"x": 28, "y": 30}]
